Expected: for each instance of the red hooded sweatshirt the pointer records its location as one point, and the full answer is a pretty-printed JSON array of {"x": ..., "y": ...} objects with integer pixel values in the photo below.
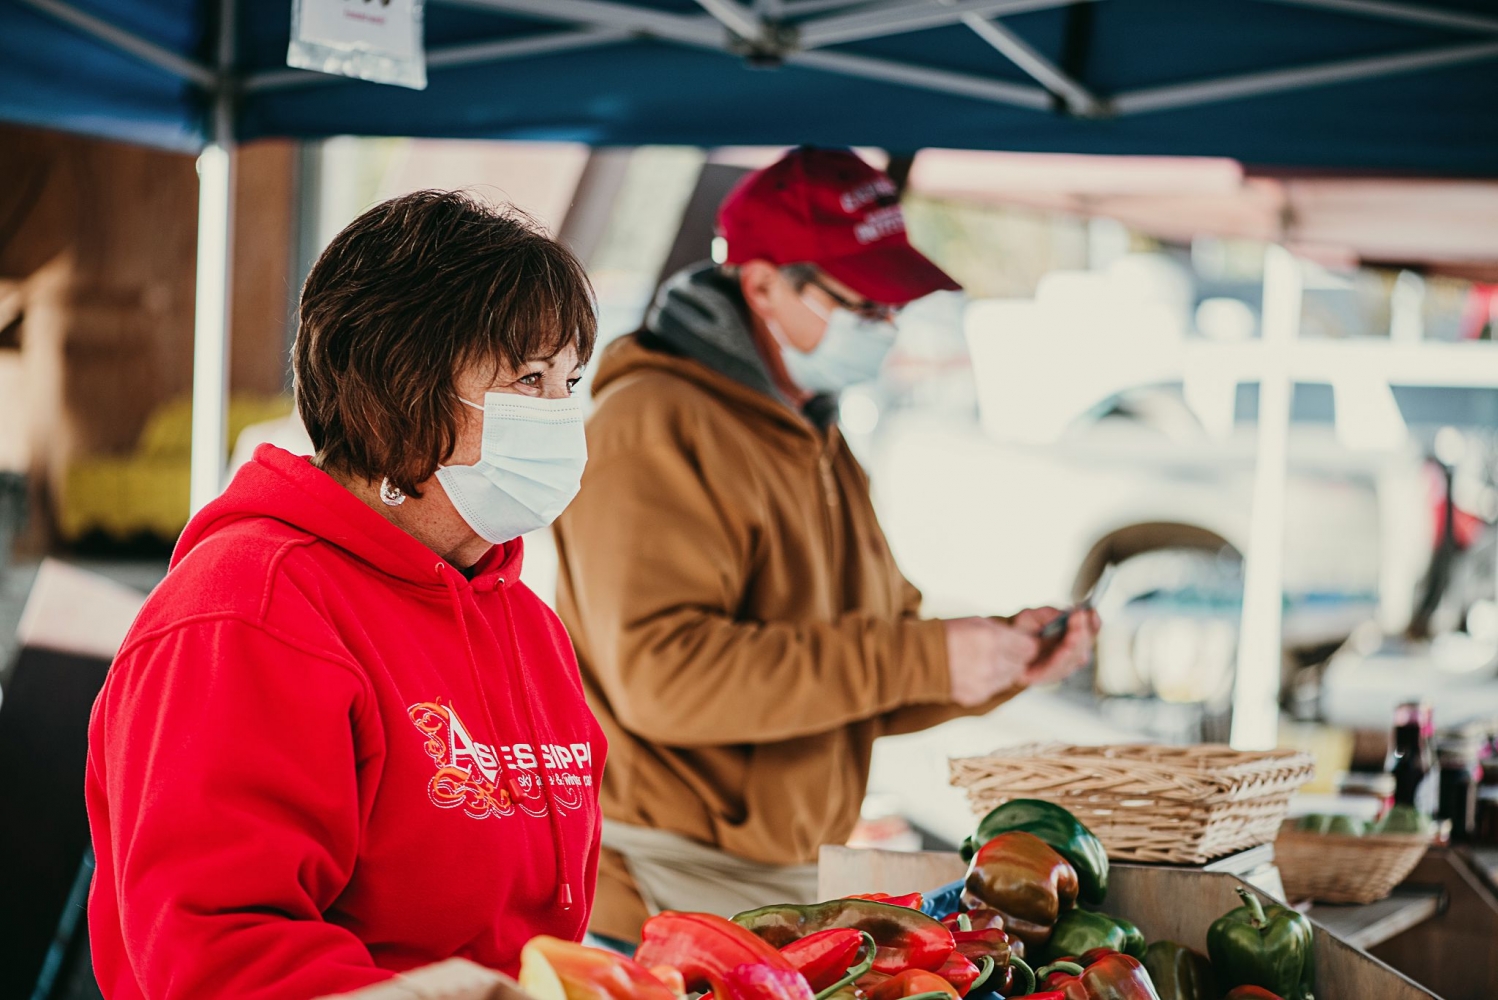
[{"x": 323, "y": 756}]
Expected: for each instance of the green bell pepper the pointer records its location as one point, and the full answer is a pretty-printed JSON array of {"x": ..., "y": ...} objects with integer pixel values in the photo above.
[
  {"x": 1062, "y": 831},
  {"x": 1081, "y": 931},
  {"x": 1313, "y": 823},
  {"x": 1403, "y": 819},
  {"x": 1269, "y": 946},
  {"x": 1347, "y": 826},
  {"x": 1178, "y": 972}
]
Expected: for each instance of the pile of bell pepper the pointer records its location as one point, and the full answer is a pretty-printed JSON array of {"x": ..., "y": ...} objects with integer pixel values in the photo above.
[
  {"x": 911, "y": 954},
  {"x": 866, "y": 948},
  {"x": 1030, "y": 862},
  {"x": 680, "y": 953}
]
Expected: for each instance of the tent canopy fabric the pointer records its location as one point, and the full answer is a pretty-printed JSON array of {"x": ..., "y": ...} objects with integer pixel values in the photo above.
[{"x": 1383, "y": 86}]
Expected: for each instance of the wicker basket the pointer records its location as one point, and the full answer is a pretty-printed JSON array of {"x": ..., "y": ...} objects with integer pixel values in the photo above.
[
  {"x": 1336, "y": 868},
  {"x": 1180, "y": 805}
]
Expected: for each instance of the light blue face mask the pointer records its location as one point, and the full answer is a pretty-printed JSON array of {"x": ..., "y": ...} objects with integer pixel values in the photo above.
[
  {"x": 529, "y": 468},
  {"x": 851, "y": 351}
]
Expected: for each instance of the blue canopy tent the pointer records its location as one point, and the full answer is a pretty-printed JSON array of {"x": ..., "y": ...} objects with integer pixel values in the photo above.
[{"x": 1384, "y": 86}]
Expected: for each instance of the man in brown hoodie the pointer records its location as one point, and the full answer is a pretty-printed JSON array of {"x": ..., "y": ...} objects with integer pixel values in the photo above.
[{"x": 743, "y": 632}]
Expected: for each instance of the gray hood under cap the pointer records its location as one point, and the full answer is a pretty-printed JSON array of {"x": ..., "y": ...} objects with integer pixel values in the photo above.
[{"x": 699, "y": 313}]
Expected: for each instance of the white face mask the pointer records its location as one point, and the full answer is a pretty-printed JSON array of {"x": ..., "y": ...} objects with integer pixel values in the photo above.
[
  {"x": 851, "y": 351},
  {"x": 529, "y": 469}
]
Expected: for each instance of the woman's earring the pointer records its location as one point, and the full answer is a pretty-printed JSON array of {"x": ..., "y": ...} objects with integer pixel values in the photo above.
[{"x": 391, "y": 493}]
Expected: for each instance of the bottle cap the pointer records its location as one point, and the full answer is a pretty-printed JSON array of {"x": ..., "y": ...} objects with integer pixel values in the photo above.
[{"x": 1415, "y": 713}]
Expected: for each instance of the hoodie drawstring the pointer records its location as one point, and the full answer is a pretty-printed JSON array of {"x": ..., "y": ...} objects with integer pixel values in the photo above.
[
  {"x": 564, "y": 887},
  {"x": 445, "y": 572}
]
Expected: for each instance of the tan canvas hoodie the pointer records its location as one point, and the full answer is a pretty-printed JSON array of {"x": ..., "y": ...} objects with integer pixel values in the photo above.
[{"x": 743, "y": 632}]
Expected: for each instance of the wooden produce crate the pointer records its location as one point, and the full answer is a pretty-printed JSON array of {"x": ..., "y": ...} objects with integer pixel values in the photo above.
[{"x": 1175, "y": 904}]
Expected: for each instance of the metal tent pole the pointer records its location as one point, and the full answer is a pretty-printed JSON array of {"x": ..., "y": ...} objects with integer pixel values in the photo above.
[
  {"x": 1256, "y": 686},
  {"x": 210, "y": 357}
]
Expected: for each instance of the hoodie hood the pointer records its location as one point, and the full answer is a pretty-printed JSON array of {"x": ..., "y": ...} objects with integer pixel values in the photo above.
[
  {"x": 698, "y": 328},
  {"x": 289, "y": 488},
  {"x": 700, "y": 314}
]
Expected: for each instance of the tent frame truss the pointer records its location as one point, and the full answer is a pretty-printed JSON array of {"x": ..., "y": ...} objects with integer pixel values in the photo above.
[{"x": 805, "y": 32}]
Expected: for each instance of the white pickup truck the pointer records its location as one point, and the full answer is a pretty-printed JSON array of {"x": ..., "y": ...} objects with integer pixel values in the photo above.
[{"x": 1110, "y": 430}]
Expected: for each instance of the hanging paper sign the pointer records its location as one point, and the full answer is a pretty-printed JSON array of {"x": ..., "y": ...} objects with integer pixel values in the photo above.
[{"x": 378, "y": 40}]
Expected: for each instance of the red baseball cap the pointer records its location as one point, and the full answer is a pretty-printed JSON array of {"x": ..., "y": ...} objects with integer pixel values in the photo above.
[{"x": 829, "y": 208}]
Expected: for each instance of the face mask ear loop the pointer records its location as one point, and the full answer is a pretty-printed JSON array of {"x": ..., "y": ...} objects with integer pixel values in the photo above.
[
  {"x": 825, "y": 317},
  {"x": 778, "y": 332},
  {"x": 465, "y": 402}
]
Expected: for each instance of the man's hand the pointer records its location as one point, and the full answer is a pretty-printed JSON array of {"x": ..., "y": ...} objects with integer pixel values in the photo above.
[
  {"x": 1058, "y": 658},
  {"x": 986, "y": 656}
]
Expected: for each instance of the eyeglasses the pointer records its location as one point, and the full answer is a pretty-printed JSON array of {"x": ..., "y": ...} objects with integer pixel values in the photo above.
[{"x": 867, "y": 309}]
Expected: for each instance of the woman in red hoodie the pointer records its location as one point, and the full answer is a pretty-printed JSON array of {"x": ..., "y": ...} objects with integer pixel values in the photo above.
[{"x": 343, "y": 739}]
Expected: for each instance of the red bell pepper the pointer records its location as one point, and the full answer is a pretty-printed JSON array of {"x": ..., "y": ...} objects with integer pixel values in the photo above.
[
  {"x": 553, "y": 969},
  {"x": 991, "y": 945},
  {"x": 907, "y": 939},
  {"x": 1109, "y": 975},
  {"x": 825, "y": 956},
  {"x": 911, "y": 900},
  {"x": 717, "y": 954},
  {"x": 977, "y": 945},
  {"x": 672, "y": 977},
  {"x": 1250, "y": 993},
  {"x": 960, "y": 971},
  {"x": 914, "y": 983}
]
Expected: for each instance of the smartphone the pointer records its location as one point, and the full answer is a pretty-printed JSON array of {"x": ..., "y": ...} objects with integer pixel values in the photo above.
[{"x": 1056, "y": 627}]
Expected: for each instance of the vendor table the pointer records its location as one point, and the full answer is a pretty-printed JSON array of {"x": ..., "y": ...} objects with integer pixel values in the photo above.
[
  {"x": 1374, "y": 923},
  {"x": 1454, "y": 952},
  {"x": 1485, "y": 860}
]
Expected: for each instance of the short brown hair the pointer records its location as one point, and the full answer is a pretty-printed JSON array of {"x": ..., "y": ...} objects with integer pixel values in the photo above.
[{"x": 410, "y": 294}]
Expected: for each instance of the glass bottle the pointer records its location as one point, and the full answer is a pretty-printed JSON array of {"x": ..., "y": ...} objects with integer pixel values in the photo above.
[
  {"x": 1412, "y": 759},
  {"x": 1461, "y": 774}
]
